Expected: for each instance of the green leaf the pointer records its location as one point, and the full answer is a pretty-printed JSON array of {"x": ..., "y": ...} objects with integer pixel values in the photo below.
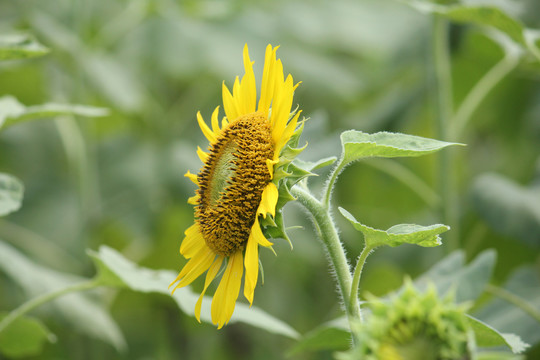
[
  {"x": 358, "y": 145},
  {"x": 426, "y": 236},
  {"x": 20, "y": 46},
  {"x": 507, "y": 317},
  {"x": 11, "y": 194},
  {"x": 315, "y": 165},
  {"x": 81, "y": 311},
  {"x": 119, "y": 271},
  {"x": 13, "y": 112},
  {"x": 326, "y": 337},
  {"x": 451, "y": 274},
  {"x": 486, "y": 336},
  {"x": 24, "y": 337},
  {"x": 508, "y": 208}
]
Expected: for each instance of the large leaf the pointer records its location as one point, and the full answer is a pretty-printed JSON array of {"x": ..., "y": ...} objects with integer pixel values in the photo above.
[
  {"x": 507, "y": 207},
  {"x": 78, "y": 309},
  {"x": 13, "y": 112},
  {"x": 20, "y": 47},
  {"x": 358, "y": 145},
  {"x": 426, "y": 236},
  {"x": 486, "y": 336},
  {"x": 116, "y": 270},
  {"x": 451, "y": 274},
  {"x": 11, "y": 194},
  {"x": 24, "y": 337},
  {"x": 333, "y": 335},
  {"x": 507, "y": 317}
]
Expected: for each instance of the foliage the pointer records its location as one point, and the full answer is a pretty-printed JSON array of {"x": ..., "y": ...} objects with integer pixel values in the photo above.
[{"x": 92, "y": 202}]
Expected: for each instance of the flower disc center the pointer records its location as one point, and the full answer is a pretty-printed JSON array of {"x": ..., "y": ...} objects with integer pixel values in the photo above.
[{"x": 231, "y": 183}]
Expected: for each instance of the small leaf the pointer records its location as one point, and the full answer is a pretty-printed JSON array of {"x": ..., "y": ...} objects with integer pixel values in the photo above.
[
  {"x": 131, "y": 276},
  {"x": 426, "y": 236},
  {"x": 24, "y": 337},
  {"x": 11, "y": 194},
  {"x": 486, "y": 336},
  {"x": 80, "y": 310},
  {"x": 20, "y": 46},
  {"x": 358, "y": 145},
  {"x": 13, "y": 112}
]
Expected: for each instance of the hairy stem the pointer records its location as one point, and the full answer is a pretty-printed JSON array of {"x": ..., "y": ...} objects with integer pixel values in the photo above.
[
  {"x": 330, "y": 238},
  {"x": 354, "y": 300},
  {"x": 42, "y": 299},
  {"x": 329, "y": 186}
]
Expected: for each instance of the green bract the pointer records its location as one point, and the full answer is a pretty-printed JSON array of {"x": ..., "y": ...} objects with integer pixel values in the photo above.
[{"x": 413, "y": 325}]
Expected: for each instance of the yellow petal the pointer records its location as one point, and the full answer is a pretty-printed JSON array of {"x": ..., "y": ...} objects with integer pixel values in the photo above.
[
  {"x": 227, "y": 292},
  {"x": 237, "y": 96},
  {"x": 267, "y": 84},
  {"x": 281, "y": 108},
  {"x": 258, "y": 235},
  {"x": 210, "y": 275},
  {"x": 251, "y": 262},
  {"x": 228, "y": 103},
  {"x": 215, "y": 124},
  {"x": 287, "y": 133},
  {"x": 198, "y": 264},
  {"x": 194, "y": 200},
  {"x": 205, "y": 129},
  {"x": 202, "y": 155},
  {"x": 224, "y": 123},
  {"x": 192, "y": 242},
  {"x": 192, "y": 177},
  {"x": 271, "y": 163},
  {"x": 248, "y": 87},
  {"x": 269, "y": 200}
]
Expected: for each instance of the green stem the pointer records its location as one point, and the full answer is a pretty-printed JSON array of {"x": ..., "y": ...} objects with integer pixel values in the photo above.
[
  {"x": 354, "y": 299},
  {"x": 513, "y": 299},
  {"x": 329, "y": 186},
  {"x": 481, "y": 90},
  {"x": 330, "y": 238},
  {"x": 42, "y": 299},
  {"x": 444, "y": 106}
]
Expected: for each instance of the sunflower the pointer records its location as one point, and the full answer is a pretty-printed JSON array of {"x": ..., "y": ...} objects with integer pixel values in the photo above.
[{"x": 237, "y": 186}]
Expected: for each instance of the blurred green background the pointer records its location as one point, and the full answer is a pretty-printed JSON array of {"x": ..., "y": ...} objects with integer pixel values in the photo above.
[{"x": 118, "y": 180}]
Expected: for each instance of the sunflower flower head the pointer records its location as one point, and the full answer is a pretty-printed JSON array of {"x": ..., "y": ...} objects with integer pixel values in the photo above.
[
  {"x": 242, "y": 185},
  {"x": 413, "y": 325}
]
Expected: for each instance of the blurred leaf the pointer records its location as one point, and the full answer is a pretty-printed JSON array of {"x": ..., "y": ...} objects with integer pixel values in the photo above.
[
  {"x": 20, "y": 47},
  {"x": 524, "y": 283},
  {"x": 24, "y": 337},
  {"x": 114, "y": 80},
  {"x": 486, "y": 336},
  {"x": 451, "y": 274},
  {"x": 326, "y": 337},
  {"x": 358, "y": 145},
  {"x": 13, "y": 112},
  {"x": 484, "y": 355},
  {"x": 426, "y": 236},
  {"x": 474, "y": 14},
  {"x": 78, "y": 309},
  {"x": 11, "y": 194},
  {"x": 507, "y": 207},
  {"x": 116, "y": 270}
]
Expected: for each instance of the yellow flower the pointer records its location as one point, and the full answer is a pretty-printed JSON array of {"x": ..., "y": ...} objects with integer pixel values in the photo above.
[{"x": 236, "y": 185}]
